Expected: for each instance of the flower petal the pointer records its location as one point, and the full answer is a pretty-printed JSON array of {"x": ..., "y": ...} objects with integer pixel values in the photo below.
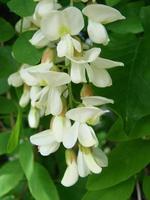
[
  {"x": 43, "y": 138},
  {"x": 102, "y": 13},
  {"x": 70, "y": 136},
  {"x": 39, "y": 40},
  {"x": 46, "y": 150},
  {"x": 71, "y": 175},
  {"x": 83, "y": 114},
  {"x": 82, "y": 167},
  {"x": 59, "y": 126},
  {"x": 33, "y": 117},
  {"x": 87, "y": 136},
  {"x": 54, "y": 104},
  {"x": 88, "y": 56},
  {"x": 95, "y": 100},
  {"x": 100, "y": 157},
  {"x": 99, "y": 77},
  {"x": 15, "y": 80},
  {"x": 74, "y": 20},
  {"x": 91, "y": 163},
  {"x": 97, "y": 33},
  {"x": 51, "y": 25},
  {"x": 78, "y": 73},
  {"x": 105, "y": 63}
]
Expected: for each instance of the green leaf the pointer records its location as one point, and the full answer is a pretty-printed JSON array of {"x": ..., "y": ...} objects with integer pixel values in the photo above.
[
  {"x": 117, "y": 132},
  {"x": 3, "y": 143},
  {"x": 125, "y": 160},
  {"x": 10, "y": 175},
  {"x": 22, "y": 7},
  {"x": 26, "y": 158},
  {"x": 41, "y": 185},
  {"x": 132, "y": 23},
  {"x": 24, "y": 52},
  {"x": 6, "y": 30},
  {"x": 7, "y": 64},
  {"x": 121, "y": 191},
  {"x": 142, "y": 128},
  {"x": 146, "y": 184},
  {"x": 7, "y": 105},
  {"x": 14, "y": 137},
  {"x": 3, "y": 85},
  {"x": 112, "y": 2},
  {"x": 145, "y": 15}
]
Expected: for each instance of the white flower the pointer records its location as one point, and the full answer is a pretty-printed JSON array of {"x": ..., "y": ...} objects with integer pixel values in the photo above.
[
  {"x": 95, "y": 66},
  {"x": 46, "y": 142},
  {"x": 80, "y": 130},
  {"x": 95, "y": 100},
  {"x": 62, "y": 25},
  {"x": 99, "y": 15},
  {"x": 90, "y": 160},
  {"x": 43, "y": 8},
  {"x": 25, "y": 24},
  {"x": 71, "y": 174},
  {"x": 52, "y": 83}
]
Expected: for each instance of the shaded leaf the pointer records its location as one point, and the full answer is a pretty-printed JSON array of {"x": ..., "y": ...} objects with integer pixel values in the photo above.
[
  {"x": 6, "y": 30},
  {"x": 146, "y": 185},
  {"x": 121, "y": 191},
  {"x": 14, "y": 137}
]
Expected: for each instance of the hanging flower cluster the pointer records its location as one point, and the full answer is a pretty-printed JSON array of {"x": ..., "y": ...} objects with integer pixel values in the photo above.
[{"x": 67, "y": 58}]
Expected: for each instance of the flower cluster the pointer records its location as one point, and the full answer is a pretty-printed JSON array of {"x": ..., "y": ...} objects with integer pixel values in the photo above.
[{"x": 67, "y": 59}]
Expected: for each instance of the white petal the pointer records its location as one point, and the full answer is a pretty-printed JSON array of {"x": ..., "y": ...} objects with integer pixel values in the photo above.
[
  {"x": 33, "y": 94},
  {"x": 39, "y": 40},
  {"x": 78, "y": 73},
  {"x": 88, "y": 56},
  {"x": 43, "y": 138},
  {"x": 97, "y": 33},
  {"x": 54, "y": 103},
  {"x": 71, "y": 175},
  {"x": 99, "y": 77},
  {"x": 59, "y": 125},
  {"x": 82, "y": 167},
  {"x": 34, "y": 117},
  {"x": 15, "y": 80},
  {"x": 70, "y": 136},
  {"x": 83, "y": 114},
  {"x": 74, "y": 19},
  {"x": 95, "y": 100},
  {"x": 65, "y": 47},
  {"x": 91, "y": 163},
  {"x": 25, "y": 98},
  {"x": 105, "y": 63},
  {"x": 46, "y": 150},
  {"x": 100, "y": 157},
  {"x": 51, "y": 25},
  {"x": 76, "y": 44},
  {"x": 102, "y": 13},
  {"x": 87, "y": 136}
]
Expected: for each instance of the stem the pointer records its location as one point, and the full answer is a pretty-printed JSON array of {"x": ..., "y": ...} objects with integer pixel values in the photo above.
[
  {"x": 71, "y": 2},
  {"x": 139, "y": 197}
]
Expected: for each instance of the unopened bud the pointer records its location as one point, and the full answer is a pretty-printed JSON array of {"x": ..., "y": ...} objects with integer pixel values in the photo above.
[
  {"x": 86, "y": 91},
  {"x": 25, "y": 98},
  {"x": 34, "y": 117},
  {"x": 48, "y": 56}
]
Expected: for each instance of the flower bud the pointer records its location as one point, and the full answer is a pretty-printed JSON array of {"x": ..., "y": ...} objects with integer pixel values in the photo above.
[
  {"x": 86, "y": 91},
  {"x": 34, "y": 117},
  {"x": 25, "y": 98},
  {"x": 47, "y": 56}
]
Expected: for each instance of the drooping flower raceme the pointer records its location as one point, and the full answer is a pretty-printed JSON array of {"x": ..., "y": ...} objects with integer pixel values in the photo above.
[{"x": 67, "y": 57}]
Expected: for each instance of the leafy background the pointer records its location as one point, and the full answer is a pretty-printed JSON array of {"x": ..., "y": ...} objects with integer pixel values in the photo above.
[{"x": 124, "y": 133}]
